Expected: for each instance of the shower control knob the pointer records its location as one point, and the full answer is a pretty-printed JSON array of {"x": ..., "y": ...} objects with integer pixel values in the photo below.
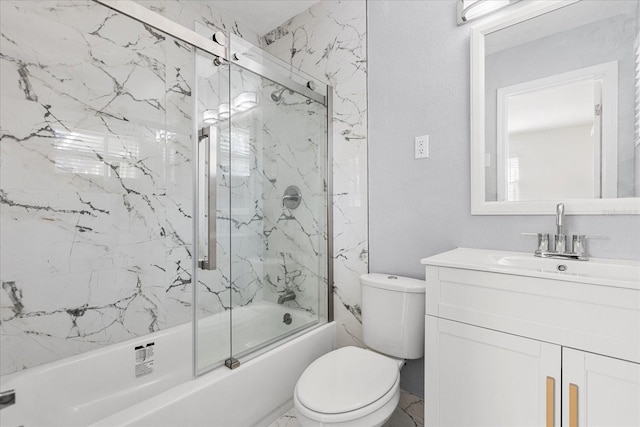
[
  {"x": 292, "y": 197},
  {"x": 219, "y": 38},
  {"x": 311, "y": 85}
]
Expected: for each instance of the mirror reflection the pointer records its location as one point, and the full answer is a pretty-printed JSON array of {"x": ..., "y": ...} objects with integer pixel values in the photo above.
[{"x": 560, "y": 101}]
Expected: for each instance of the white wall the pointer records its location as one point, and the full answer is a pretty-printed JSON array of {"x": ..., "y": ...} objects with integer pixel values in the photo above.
[{"x": 419, "y": 84}]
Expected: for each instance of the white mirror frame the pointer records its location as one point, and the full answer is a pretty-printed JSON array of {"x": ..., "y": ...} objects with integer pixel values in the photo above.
[{"x": 479, "y": 205}]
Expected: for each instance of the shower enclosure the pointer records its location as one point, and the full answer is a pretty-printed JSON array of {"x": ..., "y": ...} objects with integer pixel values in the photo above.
[
  {"x": 262, "y": 186},
  {"x": 151, "y": 175}
]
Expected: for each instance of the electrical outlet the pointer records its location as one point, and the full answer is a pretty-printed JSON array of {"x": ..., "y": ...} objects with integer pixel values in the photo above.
[{"x": 422, "y": 147}]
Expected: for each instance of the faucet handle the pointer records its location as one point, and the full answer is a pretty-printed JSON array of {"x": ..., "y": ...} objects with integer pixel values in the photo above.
[
  {"x": 579, "y": 244},
  {"x": 543, "y": 241}
]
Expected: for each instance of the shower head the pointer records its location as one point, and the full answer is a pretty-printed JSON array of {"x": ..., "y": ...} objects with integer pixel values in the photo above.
[{"x": 276, "y": 95}]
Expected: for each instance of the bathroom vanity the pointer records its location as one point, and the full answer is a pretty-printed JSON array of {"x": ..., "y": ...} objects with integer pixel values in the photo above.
[{"x": 515, "y": 340}]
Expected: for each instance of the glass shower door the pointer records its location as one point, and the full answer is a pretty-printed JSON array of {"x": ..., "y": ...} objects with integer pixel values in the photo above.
[
  {"x": 278, "y": 180},
  {"x": 212, "y": 292},
  {"x": 262, "y": 198}
]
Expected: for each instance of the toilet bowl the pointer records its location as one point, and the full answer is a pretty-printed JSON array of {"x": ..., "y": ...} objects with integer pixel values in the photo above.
[
  {"x": 350, "y": 386},
  {"x": 356, "y": 387}
]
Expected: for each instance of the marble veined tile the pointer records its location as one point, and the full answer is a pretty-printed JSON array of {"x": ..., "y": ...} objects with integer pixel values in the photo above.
[
  {"x": 95, "y": 238},
  {"x": 96, "y": 204},
  {"x": 329, "y": 41},
  {"x": 186, "y": 12}
]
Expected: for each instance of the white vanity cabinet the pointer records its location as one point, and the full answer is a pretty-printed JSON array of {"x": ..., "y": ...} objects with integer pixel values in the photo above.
[
  {"x": 510, "y": 341},
  {"x": 599, "y": 390},
  {"x": 479, "y": 377}
]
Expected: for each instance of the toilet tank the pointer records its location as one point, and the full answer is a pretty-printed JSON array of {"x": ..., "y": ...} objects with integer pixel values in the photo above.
[{"x": 393, "y": 314}]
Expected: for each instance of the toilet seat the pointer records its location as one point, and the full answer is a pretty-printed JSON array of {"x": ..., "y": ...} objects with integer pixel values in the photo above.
[{"x": 348, "y": 384}]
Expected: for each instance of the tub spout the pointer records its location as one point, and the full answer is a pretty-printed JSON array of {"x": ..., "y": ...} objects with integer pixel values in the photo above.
[{"x": 287, "y": 295}]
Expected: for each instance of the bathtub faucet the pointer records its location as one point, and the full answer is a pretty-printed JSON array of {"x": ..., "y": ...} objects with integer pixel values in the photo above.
[{"x": 288, "y": 295}]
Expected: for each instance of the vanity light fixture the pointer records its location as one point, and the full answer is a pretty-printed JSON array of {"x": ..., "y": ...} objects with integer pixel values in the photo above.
[
  {"x": 224, "y": 111},
  {"x": 245, "y": 101},
  {"x": 472, "y": 9},
  {"x": 209, "y": 117}
]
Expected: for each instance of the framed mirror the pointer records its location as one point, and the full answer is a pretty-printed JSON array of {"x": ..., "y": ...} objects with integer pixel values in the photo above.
[{"x": 555, "y": 109}]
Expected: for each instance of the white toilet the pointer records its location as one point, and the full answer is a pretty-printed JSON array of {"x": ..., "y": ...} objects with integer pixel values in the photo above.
[{"x": 352, "y": 386}]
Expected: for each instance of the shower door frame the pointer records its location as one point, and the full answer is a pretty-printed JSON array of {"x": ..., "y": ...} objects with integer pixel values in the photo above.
[
  {"x": 172, "y": 28},
  {"x": 148, "y": 17}
]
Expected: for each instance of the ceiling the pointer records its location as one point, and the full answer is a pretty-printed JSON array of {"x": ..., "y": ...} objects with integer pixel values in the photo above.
[{"x": 262, "y": 16}]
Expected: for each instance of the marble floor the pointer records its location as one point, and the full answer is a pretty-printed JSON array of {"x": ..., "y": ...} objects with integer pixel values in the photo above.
[{"x": 409, "y": 413}]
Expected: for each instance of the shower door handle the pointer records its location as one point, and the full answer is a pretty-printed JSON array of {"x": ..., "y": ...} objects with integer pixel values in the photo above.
[{"x": 208, "y": 135}]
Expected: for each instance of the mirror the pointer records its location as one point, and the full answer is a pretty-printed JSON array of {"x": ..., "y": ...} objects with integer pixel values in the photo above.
[{"x": 555, "y": 109}]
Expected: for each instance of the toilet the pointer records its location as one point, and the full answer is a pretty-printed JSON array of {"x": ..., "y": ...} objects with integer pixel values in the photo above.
[{"x": 352, "y": 386}]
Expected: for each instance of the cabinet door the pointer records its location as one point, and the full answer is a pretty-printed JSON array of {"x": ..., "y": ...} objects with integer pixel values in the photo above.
[
  {"x": 599, "y": 390},
  {"x": 479, "y": 377}
]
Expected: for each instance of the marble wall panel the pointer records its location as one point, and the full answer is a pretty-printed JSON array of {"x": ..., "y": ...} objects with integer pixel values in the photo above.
[
  {"x": 269, "y": 251},
  {"x": 188, "y": 12},
  {"x": 296, "y": 239},
  {"x": 95, "y": 162},
  {"x": 329, "y": 41},
  {"x": 244, "y": 151},
  {"x": 95, "y": 239}
]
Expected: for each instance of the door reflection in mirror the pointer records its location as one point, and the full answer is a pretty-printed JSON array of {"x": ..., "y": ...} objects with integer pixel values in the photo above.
[
  {"x": 542, "y": 52},
  {"x": 551, "y": 142}
]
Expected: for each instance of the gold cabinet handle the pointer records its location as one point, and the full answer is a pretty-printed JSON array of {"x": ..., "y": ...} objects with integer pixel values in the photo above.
[
  {"x": 551, "y": 403},
  {"x": 573, "y": 405}
]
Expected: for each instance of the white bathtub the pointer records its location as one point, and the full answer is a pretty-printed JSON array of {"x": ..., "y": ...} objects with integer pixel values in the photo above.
[
  {"x": 100, "y": 388},
  {"x": 253, "y": 326}
]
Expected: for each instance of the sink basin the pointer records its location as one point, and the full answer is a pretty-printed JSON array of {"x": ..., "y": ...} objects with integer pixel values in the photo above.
[{"x": 622, "y": 273}]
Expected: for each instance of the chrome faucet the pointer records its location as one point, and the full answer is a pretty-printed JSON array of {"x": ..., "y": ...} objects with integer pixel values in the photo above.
[
  {"x": 287, "y": 295},
  {"x": 561, "y": 238},
  {"x": 578, "y": 241}
]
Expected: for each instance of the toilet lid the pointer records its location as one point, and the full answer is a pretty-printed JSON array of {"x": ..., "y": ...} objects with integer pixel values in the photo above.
[{"x": 345, "y": 380}]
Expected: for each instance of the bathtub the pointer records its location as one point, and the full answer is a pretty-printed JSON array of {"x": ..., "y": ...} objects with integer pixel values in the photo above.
[{"x": 106, "y": 387}]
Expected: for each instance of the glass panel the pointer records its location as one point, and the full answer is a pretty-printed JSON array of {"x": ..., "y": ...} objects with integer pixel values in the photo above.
[
  {"x": 213, "y": 299},
  {"x": 95, "y": 180},
  {"x": 279, "y": 199},
  {"x": 265, "y": 64}
]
